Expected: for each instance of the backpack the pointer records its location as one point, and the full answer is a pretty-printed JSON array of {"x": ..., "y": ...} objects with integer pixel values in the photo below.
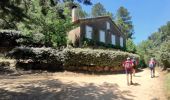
[
  {"x": 134, "y": 62},
  {"x": 151, "y": 64},
  {"x": 128, "y": 65}
]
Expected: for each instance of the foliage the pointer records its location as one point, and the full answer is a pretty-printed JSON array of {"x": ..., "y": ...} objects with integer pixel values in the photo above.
[
  {"x": 48, "y": 20},
  {"x": 37, "y": 58},
  {"x": 9, "y": 38},
  {"x": 81, "y": 13},
  {"x": 71, "y": 57},
  {"x": 130, "y": 46},
  {"x": 165, "y": 54},
  {"x": 50, "y": 28},
  {"x": 97, "y": 44},
  {"x": 11, "y": 12},
  {"x": 157, "y": 46},
  {"x": 95, "y": 57},
  {"x": 123, "y": 20},
  {"x": 98, "y": 10}
]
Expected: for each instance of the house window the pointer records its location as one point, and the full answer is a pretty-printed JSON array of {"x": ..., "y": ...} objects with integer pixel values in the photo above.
[
  {"x": 108, "y": 25},
  {"x": 88, "y": 32},
  {"x": 113, "y": 39},
  {"x": 121, "y": 41},
  {"x": 102, "y": 36}
]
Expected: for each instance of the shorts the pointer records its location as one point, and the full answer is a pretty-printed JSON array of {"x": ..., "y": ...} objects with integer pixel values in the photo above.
[{"x": 129, "y": 71}]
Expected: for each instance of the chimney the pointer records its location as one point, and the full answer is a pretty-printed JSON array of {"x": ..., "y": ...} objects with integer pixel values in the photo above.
[{"x": 74, "y": 14}]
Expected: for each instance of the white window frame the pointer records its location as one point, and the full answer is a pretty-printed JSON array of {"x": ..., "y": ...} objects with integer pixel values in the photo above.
[
  {"x": 108, "y": 25},
  {"x": 121, "y": 42},
  {"x": 102, "y": 36},
  {"x": 89, "y": 30},
  {"x": 113, "y": 38}
]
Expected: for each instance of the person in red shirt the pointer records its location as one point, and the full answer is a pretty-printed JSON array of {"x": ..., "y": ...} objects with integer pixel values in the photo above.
[{"x": 128, "y": 65}]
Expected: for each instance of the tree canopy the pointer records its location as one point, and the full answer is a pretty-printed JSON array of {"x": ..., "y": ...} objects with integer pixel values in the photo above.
[
  {"x": 157, "y": 45},
  {"x": 45, "y": 21},
  {"x": 124, "y": 22}
]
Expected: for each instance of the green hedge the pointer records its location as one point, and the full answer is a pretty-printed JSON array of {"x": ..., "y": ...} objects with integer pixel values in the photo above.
[
  {"x": 98, "y": 57},
  {"x": 37, "y": 57},
  {"x": 74, "y": 59}
]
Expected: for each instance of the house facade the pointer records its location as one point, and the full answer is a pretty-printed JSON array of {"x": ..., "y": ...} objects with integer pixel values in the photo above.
[{"x": 99, "y": 30}]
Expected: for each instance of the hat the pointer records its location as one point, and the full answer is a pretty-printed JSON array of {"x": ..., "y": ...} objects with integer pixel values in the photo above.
[
  {"x": 152, "y": 58},
  {"x": 128, "y": 58}
]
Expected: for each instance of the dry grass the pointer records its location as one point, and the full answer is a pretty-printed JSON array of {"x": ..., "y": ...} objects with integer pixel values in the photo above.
[{"x": 167, "y": 82}]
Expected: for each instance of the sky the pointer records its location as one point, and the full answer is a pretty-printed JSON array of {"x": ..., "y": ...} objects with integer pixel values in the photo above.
[{"x": 147, "y": 15}]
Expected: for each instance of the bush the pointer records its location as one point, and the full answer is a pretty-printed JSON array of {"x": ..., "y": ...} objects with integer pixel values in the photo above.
[
  {"x": 100, "y": 58},
  {"x": 42, "y": 56},
  {"x": 74, "y": 59},
  {"x": 9, "y": 38},
  {"x": 165, "y": 54}
]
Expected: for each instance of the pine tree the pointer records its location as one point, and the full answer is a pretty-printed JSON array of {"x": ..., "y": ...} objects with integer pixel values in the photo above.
[{"x": 123, "y": 20}]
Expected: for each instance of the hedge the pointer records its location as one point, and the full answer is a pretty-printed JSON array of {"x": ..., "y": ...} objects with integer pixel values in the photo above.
[
  {"x": 95, "y": 58},
  {"x": 37, "y": 57},
  {"x": 73, "y": 59}
]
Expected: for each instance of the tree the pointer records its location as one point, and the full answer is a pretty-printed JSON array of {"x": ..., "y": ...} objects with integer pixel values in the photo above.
[
  {"x": 165, "y": 54},
  {"x": 45, "y": 21},
  {"x": 157, "y": 45},
  {"x": 123, "y": 20},
  {"x": 130, "y": 46},
  {"x": 13, "y": 11},
  {"x": 98, "y": 10},
  {"x": 49, "y": 25},
  {"x": 81, "y": 12}
]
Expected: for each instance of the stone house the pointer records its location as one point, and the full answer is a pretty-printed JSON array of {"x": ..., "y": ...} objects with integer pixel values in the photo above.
[{"x": 99, "y": 29}]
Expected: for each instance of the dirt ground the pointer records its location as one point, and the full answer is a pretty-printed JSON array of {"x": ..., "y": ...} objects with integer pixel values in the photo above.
[{"x": 74, "y": 86}]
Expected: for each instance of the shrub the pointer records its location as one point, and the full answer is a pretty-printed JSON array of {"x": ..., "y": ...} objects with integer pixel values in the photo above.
[
  {"x": 9, "y": 38},
  {"x": 42, "y": 56},
  {"x": 75, "y": 58},
  {"x": 165, "y": 54},
  {"x": 100, "y": 58}
]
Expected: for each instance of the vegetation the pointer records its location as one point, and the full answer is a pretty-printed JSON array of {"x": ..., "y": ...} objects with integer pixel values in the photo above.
[
  {"x": 45, "y": 21},
  {"x": 99, "y": 10},
  {"x": 167, "y": 81},
  {"x": 130, "y": 46},
  {"x": 10, "y": 38},
  {"x": 99, "y": 57},
  {"x": 157, "y": 46},
  {"x": 124, "y": 21},
  {"x": 71, "y": 57}
]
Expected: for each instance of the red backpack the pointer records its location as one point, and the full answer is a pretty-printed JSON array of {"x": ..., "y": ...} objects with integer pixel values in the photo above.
[{"x": 128, "y": 65}]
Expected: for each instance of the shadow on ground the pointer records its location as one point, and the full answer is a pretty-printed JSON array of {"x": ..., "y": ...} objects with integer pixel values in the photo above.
[{"x": 56, "y": 90}]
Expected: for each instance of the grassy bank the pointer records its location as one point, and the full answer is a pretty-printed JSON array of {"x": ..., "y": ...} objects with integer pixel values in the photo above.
[{"x": 167, "y": 83}]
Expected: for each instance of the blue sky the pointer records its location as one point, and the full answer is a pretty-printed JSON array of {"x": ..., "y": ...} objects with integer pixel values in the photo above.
[{"x": 147, "y": 15}]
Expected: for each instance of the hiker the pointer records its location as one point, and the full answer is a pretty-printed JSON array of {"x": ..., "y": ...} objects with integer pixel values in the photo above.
[
  {"x": 134, "y": 65},
  {"x": 128, "y": 65},
  {"x": 152, "y": 65}
]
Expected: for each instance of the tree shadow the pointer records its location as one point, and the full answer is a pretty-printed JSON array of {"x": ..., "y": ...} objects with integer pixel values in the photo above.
[
  {"x": 139, "y": 70},
  {"x": 57, "y": 90}
]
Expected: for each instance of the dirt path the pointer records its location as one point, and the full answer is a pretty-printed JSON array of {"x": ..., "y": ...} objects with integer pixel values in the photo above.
[{"x": 72, "y": 86}]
